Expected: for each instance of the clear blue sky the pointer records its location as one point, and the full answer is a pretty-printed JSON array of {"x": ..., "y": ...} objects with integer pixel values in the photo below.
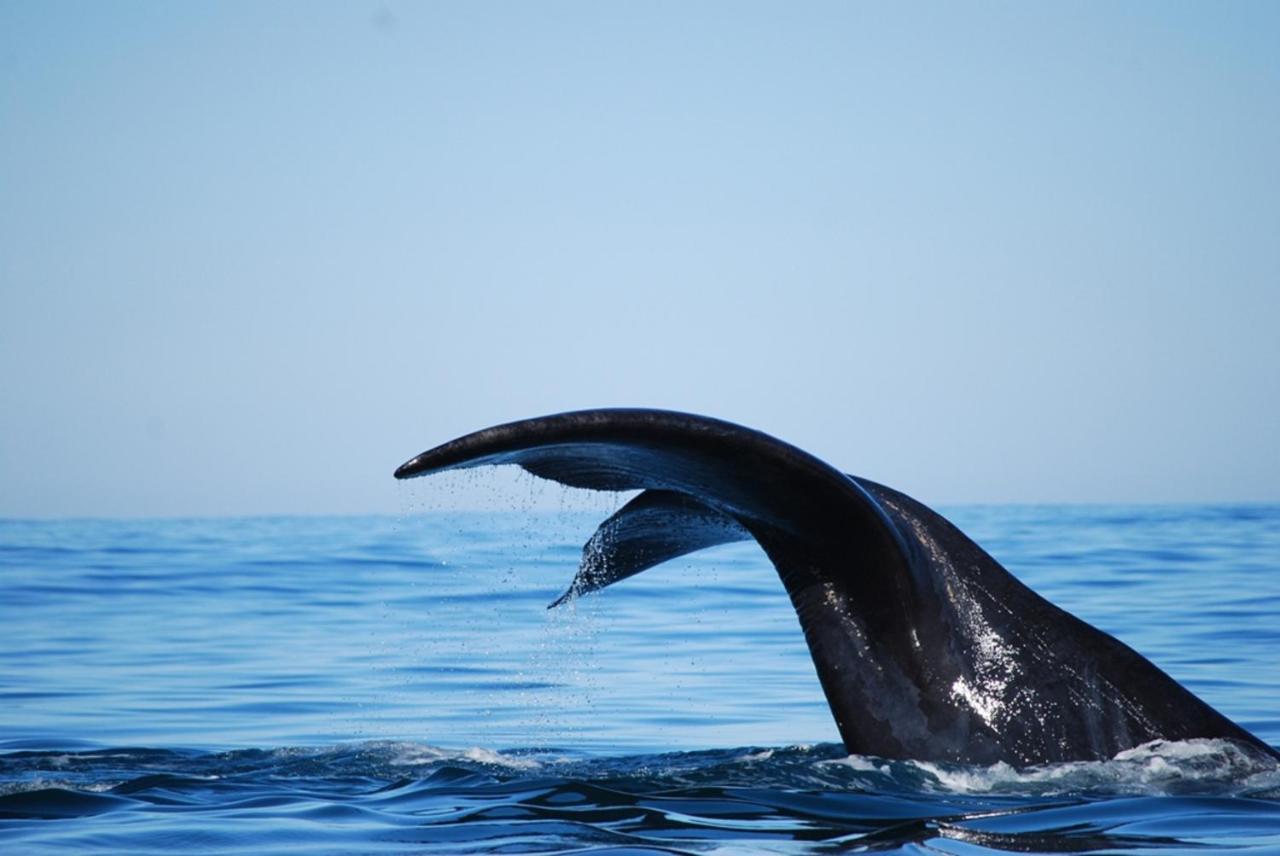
[{"x": 254, "y": 255}]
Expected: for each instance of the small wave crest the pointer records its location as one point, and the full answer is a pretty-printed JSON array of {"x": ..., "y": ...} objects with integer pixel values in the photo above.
[
  {"x": 370, "y": 796},
  {"x": 1212, "y": 767},
  {"x": 1200, "y": 766}
]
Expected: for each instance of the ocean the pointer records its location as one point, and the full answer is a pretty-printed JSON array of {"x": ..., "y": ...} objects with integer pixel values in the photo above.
[{"x": 396, "y": 684}]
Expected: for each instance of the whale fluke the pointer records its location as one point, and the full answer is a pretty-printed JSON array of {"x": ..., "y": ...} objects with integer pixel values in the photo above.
[
  {"x": 926, "y": 648},
  {"x": 654, "y": 527}
]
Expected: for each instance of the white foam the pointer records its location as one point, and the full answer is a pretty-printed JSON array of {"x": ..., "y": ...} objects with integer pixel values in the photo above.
[
  {"x": 415, "y": 754},
  {"x": 764, "y": 755},
  {"x": 1152, "y": 768},
  {"x": 861, "y": 763}
]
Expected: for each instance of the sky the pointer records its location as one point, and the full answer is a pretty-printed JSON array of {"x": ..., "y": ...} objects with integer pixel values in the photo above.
[{"x": 255, "y": 255}]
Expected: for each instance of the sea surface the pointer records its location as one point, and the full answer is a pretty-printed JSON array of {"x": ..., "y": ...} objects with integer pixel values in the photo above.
[{"x": 397, "y": 685}]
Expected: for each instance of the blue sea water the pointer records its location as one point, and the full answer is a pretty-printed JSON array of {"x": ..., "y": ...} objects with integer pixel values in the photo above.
[{"x": 396, "y": 685}]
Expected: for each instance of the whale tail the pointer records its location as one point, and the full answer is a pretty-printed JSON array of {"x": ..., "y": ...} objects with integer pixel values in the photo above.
[{"x": 925, "y": 646}]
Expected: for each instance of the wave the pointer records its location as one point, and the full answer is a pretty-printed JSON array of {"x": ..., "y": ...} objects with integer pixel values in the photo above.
[
  {"x": 1199, "y": 766},
  {"x": 1208, "y": 767},
  {"x": 389, "y": 795}
]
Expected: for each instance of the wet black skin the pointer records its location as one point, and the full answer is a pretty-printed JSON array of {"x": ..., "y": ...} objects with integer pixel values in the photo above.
[{"x": 925, "y": 646}]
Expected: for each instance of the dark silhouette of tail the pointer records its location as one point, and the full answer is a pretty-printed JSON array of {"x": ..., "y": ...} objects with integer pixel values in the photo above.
[{"x": 925, "y": 646}]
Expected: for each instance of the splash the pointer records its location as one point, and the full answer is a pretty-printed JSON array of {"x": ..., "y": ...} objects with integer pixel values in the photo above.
[{"x": 1199, "y": 766}]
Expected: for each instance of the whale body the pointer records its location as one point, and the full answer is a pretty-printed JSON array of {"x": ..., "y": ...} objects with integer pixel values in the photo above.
[{"x": 925, "y": 647}]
